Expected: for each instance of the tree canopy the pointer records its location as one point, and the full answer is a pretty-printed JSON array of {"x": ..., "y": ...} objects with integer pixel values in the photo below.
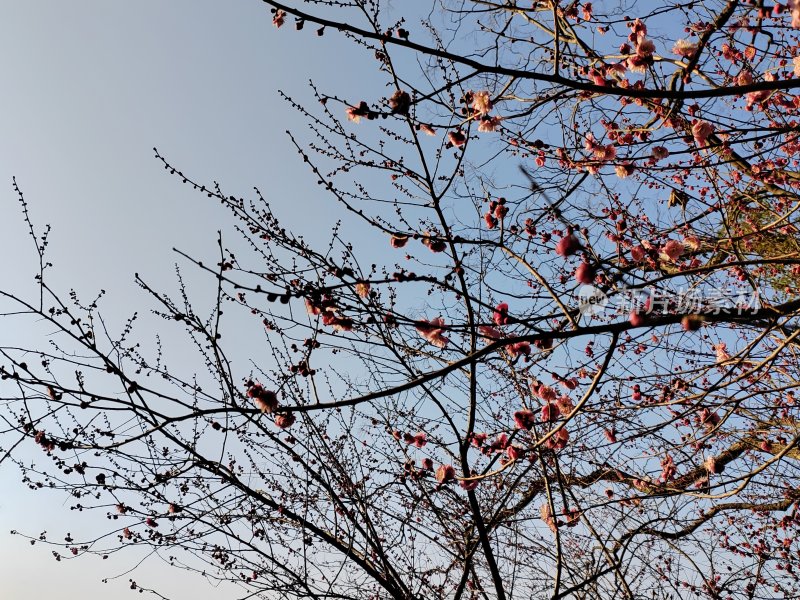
[{"x": 549, "y": 348}]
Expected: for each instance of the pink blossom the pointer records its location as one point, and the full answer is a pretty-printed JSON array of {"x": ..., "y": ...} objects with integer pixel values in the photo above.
[
  {"x": 617, "y": 69},
  {"x": 433, "y": 331},
  {"x": 546, "y": 393},
  {"x": 489, "y": 332},
  {"x": 419, "y": 440},
  {"x": 638, "y": 253},
  {"x": 489, "y": 124},
  {"x": 691, "y": 322},
  {"x": 701, "y": 130},
  {"x": 312, "y": 308},
  {"x": 549, "y": 412},
  {"x": 434, "y": 245},
  {"x": 684, "y": 48},
  {"x": 721, "y": 351},
  {"x": 445, "y": 473},
  {"x": 624, "y": 170},
  {"x": 570, "y": 384},
  {"x": 590, "y": 143},
  {"x": 354, "y": 113},
  {"x": 520, "y": 348},
  {"x": 744, "y": 78},
  {"x": 565, "y": 405},
  {"x": 265, "y": 400},
  {"x": 796, "y": 65},
  {"x": 667, "y": 468},
  {"x": 794, "y": 7},
  {"x": 481, "y": 103},
  {"x": 400, "y": 102},
  {"x": 597, "y": 77},
  {"x": 758, "y": 97},
  {"x": 470, "y": 485},
  {"x": 659, "y": 153},
  {"x": 636, "y": 318},
  {"x": 606, "y": 152},
  {"x": 398, "y": 240},
  {"x": 524, "y": 419},
  {"x": 514, "y": 452},
  {"x": 547, "y": 517},
  {"x": 709, "y": 418},
  {"x": 478, "y": 439},
  {"x": 692, "y": 242},
  {"x": 671, "y": 251},
  {"x": 427, "y": 129},
  {"x": 362, "y": 289},
  {"x": 645, "y": 48},
  {"x": 639, "y": 30},
  {"x": 637, "y": 63},
  {"x": 598, "y": 150}
]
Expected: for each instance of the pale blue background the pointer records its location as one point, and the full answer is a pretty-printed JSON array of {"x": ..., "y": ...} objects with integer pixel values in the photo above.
[{"x": 89, "y": 87}]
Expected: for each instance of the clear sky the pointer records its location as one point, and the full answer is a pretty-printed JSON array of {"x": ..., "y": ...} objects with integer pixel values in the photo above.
[{"x": 89, "y": 87}]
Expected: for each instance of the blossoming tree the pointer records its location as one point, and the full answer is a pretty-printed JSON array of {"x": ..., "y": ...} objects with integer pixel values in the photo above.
[{"x": 444, "y": 417}]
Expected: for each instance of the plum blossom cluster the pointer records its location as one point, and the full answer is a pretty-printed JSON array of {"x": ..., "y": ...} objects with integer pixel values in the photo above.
[
  {"x": 433, "y": 331},
  {"x": 326, "y": 308},
  {"x": 496, "y": 213},
  {"x": 554, "y": 407},
  {"x": 267, "y": 402}
]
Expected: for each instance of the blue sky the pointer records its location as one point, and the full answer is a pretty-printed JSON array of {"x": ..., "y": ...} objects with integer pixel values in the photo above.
[{"x": 90, "y": 87}]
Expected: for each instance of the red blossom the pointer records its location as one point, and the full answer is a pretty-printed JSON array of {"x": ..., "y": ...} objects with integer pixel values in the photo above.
[
  {"x": 519, "y": 349},
  {"x": 585, "y": 273},
  {"x": 284, "y": 420},
  {"x": 568, "y": 245},
  {"x": 637, "y": 318},
  {"x": 500, "y": 315},
  {"x": 514, "y": 452}
]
